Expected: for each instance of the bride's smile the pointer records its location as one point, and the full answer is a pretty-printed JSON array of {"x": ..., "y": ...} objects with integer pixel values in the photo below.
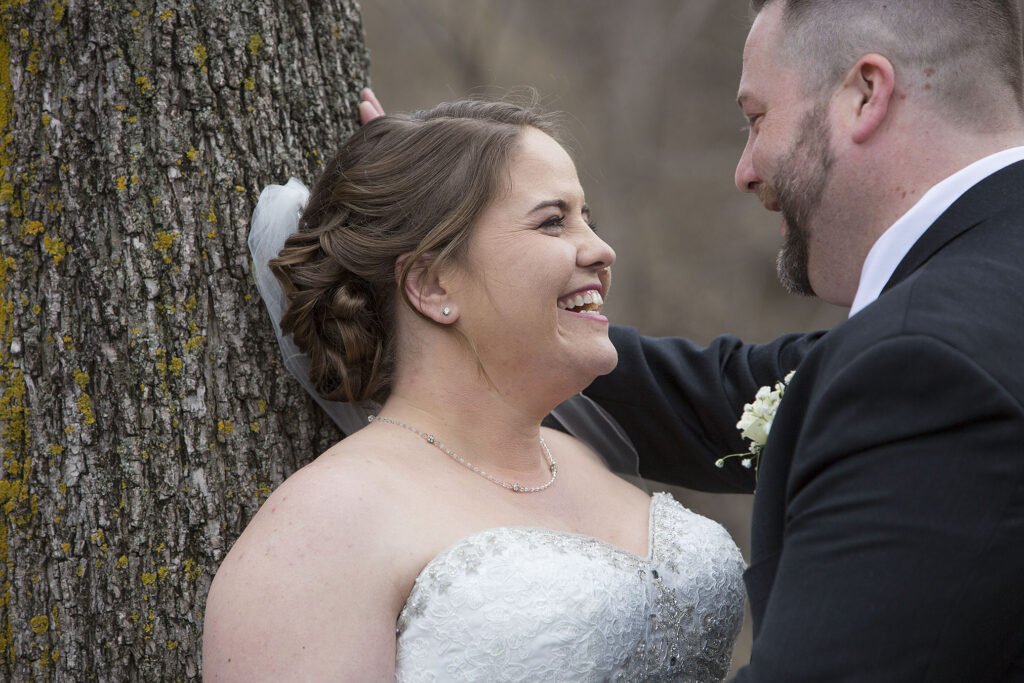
[{"x": 586, "y": 301}]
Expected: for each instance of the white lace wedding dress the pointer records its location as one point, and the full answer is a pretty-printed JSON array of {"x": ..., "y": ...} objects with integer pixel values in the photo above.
[{"x": 526, "y": 604}]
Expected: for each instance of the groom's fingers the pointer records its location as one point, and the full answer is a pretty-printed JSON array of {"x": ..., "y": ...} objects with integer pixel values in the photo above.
[
  {"x": 367, "y": 94},
  {"x": 366, "y": 113},
  {"x": 369, "y": 107}
]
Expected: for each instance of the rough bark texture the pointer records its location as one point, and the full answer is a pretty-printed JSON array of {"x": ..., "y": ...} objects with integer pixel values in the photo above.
[{"x": 143, "y": 408}]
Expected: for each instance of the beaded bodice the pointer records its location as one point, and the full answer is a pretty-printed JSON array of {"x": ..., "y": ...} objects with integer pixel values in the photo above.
[{"x": 527, "y": 604}]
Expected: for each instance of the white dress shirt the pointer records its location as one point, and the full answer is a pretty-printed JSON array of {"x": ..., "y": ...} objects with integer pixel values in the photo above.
[{"x": 895, "y": 242}]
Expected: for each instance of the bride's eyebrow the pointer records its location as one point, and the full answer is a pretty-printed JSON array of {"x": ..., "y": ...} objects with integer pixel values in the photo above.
[{"x": 561, "y": 204}]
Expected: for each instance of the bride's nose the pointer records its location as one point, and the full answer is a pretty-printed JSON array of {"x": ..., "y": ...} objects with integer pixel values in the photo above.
[{"x": 594, "y": 252}]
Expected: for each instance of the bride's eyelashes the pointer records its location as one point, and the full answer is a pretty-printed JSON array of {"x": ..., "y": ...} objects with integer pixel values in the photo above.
[
  {"x": 553, "y": 223},
  {"x": 558, "y": 223},
  {"x": 588, "y": 220}
]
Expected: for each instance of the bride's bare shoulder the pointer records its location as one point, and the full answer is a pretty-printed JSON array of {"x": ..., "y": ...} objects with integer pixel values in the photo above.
[
  {"x": 345, "y": 494},
  {"x": 297, "y": 578}
]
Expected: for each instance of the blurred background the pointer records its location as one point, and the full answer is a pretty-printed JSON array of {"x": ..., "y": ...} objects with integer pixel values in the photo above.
[{"x": 649, "y": 92}]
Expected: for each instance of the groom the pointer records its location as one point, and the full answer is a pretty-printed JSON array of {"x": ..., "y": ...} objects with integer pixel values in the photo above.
[{"x": 888, "y": 528}]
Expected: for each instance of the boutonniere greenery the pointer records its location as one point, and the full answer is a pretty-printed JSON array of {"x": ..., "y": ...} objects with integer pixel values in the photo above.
[{"x": 756, "y": 423}]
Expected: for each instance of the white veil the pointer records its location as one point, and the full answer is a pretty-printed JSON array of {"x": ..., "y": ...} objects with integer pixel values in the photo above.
[{"x": 275, "y": 218}]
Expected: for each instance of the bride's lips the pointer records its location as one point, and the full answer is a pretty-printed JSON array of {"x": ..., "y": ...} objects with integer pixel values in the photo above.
[{"x": 585, "y": 302}]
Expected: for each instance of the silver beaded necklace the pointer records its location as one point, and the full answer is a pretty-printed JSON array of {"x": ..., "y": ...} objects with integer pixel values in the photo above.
[{"x": 513, "y": 486}]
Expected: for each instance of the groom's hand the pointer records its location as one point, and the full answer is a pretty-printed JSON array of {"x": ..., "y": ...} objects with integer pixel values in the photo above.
[{"x": 369, "y": 106}]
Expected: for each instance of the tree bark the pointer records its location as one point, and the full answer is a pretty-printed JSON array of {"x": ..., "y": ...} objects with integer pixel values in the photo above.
[{"x": 144, "y": 412}]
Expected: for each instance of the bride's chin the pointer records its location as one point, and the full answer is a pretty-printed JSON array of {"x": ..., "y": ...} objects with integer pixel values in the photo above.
[
  {"x": 606, "y": 358},
  {"x": 596, "y": 363},
  {"x": 604, "y": 365}
]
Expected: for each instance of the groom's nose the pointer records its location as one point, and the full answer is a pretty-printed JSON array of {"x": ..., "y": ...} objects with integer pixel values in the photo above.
[{"x": 747, "y": 179}]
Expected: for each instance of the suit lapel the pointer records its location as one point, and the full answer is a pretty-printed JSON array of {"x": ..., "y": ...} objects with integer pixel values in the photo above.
[{"x": 988, "y": 197}]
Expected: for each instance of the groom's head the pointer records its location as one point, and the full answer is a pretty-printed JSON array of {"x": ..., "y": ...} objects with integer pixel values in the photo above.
[{"x": 857, "y": 107}]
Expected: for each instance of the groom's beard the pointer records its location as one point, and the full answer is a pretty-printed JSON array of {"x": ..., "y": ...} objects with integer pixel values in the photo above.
[{"x": 799, "y": 186}]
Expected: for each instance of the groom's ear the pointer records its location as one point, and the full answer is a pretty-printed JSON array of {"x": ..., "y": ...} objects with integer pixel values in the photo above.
[
  {"x": 420, "y": 279},
  {"x": 867, "y": 95}
]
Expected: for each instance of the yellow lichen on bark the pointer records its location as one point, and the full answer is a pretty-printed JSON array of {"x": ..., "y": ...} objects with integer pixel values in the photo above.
[
  {"x": 85, "y": 407},
  {"x": 56, "y": 247},
  {"x": 199, "y": 52},
  {"x": 163, "y": 243},
  {"x": 40, "y": 624},
  {"x": 255, "y": 43}
]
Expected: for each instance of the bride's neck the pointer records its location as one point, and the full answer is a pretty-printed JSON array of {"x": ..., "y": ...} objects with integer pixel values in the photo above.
[{"x": 494, "y": 431}]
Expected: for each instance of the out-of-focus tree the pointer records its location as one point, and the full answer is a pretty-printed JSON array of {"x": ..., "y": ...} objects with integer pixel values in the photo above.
[{"x": 143, "y": 413}]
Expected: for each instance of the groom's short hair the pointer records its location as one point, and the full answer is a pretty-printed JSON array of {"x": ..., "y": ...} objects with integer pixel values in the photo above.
[{"x": 966, "y": 55}]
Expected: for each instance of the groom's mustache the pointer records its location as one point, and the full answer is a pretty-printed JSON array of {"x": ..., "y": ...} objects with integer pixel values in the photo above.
[{"x": 766, "y": 194}]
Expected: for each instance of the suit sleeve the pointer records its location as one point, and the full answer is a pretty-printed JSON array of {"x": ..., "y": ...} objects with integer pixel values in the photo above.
[
  {"x": 903, "y": 551},
  {"x": 679, "y": 402}
]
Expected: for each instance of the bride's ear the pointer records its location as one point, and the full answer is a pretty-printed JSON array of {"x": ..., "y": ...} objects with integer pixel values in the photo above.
[{"x": 424, "y": 290}]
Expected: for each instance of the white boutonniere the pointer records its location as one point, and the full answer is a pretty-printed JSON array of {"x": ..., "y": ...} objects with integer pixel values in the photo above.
[{"x": 756, "y": 423}]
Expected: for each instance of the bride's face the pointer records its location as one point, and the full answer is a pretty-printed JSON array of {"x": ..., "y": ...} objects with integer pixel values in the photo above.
[{"x": 531, "y": 292}]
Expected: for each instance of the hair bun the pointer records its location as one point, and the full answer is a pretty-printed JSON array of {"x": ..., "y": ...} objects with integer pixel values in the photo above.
[{"x": 332, "y": 318}]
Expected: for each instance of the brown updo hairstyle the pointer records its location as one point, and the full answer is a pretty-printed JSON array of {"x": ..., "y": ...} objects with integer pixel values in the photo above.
[{"x": 402, "y": 184}]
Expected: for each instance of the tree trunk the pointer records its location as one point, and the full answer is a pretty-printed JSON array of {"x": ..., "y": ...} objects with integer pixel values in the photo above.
[{"x": 144, "y": 411}]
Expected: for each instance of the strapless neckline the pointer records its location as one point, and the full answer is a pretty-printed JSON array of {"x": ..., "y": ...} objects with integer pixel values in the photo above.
[
  {"x": 523, "y": 603},
  {"x": 545, "y": 531}
]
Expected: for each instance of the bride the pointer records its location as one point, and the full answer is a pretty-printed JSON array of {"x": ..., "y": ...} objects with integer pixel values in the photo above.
[{"x": 446, "y": 266}]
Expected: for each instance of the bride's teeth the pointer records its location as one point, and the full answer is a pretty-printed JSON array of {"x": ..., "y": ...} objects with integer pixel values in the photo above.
[{"x": 591, "y": 297}]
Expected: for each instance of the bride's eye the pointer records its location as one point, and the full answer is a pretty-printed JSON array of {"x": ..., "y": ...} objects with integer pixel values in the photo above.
[
  {"x": 588, "y": 219},
  {"x": 553, "y": 223}
]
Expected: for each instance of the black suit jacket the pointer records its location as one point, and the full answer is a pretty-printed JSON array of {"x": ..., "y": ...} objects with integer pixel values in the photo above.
[{"x": 888, "y": 524}]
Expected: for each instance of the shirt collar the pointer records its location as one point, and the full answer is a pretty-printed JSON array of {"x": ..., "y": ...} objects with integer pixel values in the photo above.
[{"x": 893, "y": 245}]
